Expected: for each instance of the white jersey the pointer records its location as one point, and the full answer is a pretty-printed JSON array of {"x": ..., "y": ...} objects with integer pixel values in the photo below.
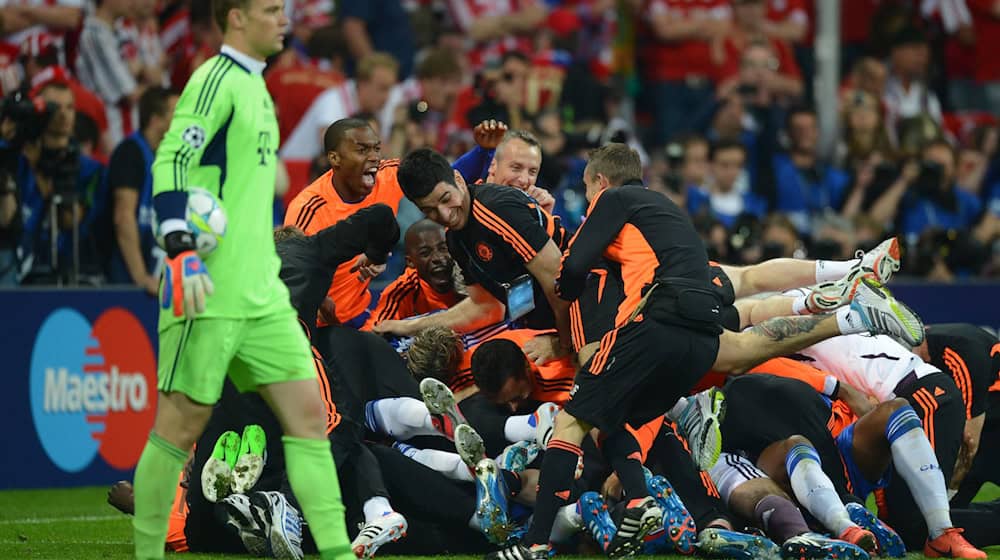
[
  {"x": 872, "y": 364},
  {"x": 335, "y": 103}
]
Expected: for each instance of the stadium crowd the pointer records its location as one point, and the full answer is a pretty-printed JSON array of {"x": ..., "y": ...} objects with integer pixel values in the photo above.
[
  {"x": 554, "y": 359},
  {"x": 715, "y": 94}
]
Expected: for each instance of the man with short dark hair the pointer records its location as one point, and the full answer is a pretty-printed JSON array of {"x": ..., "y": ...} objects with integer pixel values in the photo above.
[
  {"x": 508, "y": 378},
  {"x": 806, "y": 186},
  {"x": 358, "y": 178},
  {"x": 503, "y": 242},
  {"x": 722, "y": 197},
  {"x": 427, "y": 284},
  {"x": 665, "y": 338},
  {"x": 130, "y": 181}
]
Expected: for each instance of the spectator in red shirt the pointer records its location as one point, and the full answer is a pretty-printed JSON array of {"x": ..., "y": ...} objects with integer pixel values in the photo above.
[
  {"x": 28, "y": 22},
  {"x": 777, "y": 74},
  {"x": 986, "y": 22},
  {"x": 855, "y": 23},
  {"x": 955, "y": 21},
  {"x": 787, "y": 20},
  {"x": 497, "y": 27},
  {"x": 676, "y": 59}
]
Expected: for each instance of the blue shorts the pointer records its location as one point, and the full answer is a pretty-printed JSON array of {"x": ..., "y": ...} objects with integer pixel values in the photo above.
[{"x": 862, "y": 488}]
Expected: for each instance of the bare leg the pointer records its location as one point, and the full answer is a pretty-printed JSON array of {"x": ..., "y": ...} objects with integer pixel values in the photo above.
[
  {"x": 774, "y": 275},
  {"x": 775, "y": 337},
  {"x": 754, "y": 311}
]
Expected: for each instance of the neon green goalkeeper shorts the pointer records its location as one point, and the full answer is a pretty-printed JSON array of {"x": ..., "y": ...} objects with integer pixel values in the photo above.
[{"x": 196, "y": 355}]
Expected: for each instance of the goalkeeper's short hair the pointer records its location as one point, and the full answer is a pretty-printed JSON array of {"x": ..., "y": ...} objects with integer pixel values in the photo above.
[{"x": 221, "y": 8}]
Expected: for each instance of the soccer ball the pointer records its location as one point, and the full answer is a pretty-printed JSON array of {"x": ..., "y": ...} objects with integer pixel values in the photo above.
[{"x": 206, "y": 219}]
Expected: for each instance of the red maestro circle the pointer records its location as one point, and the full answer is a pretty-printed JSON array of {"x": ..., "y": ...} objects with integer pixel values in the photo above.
[{"x": 130, "y": 364}]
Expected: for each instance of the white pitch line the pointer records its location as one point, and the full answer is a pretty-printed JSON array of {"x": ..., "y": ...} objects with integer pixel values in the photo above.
[{"x": 73, "y": 519}]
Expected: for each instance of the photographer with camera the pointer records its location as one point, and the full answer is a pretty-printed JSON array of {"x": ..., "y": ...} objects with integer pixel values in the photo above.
[
  {"x": 66, "y": 232},
  {"x": 923, "y": 194},
  {"x": 130, "y": 182},
  {"x": 933, "y": 199}
]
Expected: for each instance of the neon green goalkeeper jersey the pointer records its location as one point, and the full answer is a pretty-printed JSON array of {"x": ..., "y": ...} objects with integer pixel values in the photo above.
[{"x": 224, "y": 138}]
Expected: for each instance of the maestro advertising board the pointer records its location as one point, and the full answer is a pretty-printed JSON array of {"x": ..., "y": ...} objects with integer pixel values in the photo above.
[{"x": 80, "y": 380}]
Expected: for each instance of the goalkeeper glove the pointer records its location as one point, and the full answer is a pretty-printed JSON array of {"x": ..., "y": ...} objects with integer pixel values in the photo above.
[{"x": 186, "y": 283}]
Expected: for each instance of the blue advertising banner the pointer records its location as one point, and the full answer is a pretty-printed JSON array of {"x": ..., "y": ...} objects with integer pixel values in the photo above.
[
  {"x": 80, "y": 385},
  {"x": 974, "y": 302},
  {"x": 80, "y": 375}
]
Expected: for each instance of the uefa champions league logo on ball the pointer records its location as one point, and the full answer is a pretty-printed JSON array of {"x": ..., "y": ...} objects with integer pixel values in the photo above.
[{"x": 93, "y": 388}]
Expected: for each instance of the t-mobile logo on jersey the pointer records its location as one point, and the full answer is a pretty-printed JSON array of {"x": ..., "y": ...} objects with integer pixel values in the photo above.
[{"x": 264, "y": 149}]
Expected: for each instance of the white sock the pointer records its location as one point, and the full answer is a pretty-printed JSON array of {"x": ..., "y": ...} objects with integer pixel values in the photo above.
[
  {"x": 828, "y": 271},
  {"x": 520, "y": 428},
  {"x": 849, "y": 321},
  {"x": 448, "y": 464},
  {"x": 814, "y": 490},
  {"x": 568, "y": 522},
  {"x": 376, "y": 507},
  {"x": 401, "y": 418},
  {"x": 799, "y": 306},
  {"x": 914, "y": 458},
  {"x": 474, "y": 523}
]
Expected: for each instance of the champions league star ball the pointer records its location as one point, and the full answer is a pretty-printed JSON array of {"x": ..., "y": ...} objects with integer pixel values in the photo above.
[{"x": 206, "y": 219}]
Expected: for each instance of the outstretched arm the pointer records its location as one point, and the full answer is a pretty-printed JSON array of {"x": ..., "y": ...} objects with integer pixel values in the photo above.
[
  {"x": 372, "y": 231},
  {"x": 477, "y": 310}
]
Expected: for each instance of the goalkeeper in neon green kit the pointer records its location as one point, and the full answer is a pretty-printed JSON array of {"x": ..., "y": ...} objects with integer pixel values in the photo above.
[{"x": 231, "y": 314}]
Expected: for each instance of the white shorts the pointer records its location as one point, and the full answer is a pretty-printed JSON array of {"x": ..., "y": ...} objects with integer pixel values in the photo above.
[{"x": 730, "y": 471}]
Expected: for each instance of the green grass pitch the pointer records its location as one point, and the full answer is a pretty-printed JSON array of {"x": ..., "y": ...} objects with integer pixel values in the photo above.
[{"x": 78, "y": 524}]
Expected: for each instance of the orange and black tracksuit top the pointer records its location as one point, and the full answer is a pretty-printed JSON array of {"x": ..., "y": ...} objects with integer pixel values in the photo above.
[
  {"x": 972, "y": 357},
  {"x": 409, "y": 296},
  {"x": 319, "y": 206},
  {"x": 550, "y": 382},
  {"x": 643, "y": 233},
  {"x": 505, "y": 230}
]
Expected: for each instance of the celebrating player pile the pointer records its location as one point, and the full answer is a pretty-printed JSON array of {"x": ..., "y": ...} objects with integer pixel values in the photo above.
[{"x": 554, "y": 366}]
